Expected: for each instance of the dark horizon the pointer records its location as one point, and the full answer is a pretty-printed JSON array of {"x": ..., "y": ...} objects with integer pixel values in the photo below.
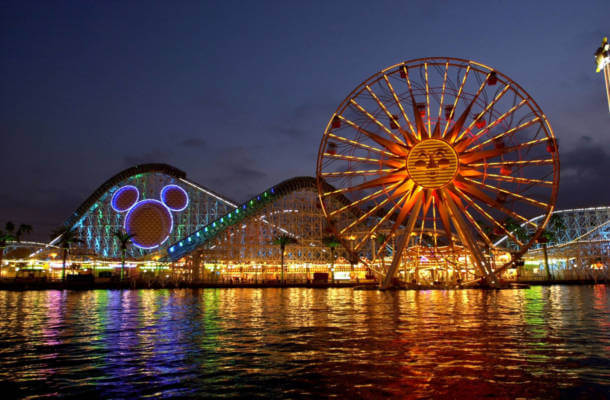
[{"x": 238, "y": 95}]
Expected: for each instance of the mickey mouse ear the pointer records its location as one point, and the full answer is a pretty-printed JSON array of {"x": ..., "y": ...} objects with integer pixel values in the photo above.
[
  {"x": 125, "y": 198},
  {"x": 174, "y": 197}
]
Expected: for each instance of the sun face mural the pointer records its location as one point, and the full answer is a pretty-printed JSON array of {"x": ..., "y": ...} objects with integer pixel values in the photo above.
[
  {"x": 149, "y": 220},
  {"x": 432, "y": 163}
]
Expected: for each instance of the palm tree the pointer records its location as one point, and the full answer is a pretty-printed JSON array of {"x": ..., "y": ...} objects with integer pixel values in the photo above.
[
  {"x": 67, "y": 237},
  {"x": 124, "y": 239},
  {"x": 332, "y": 242},
  {"x": 555, "y": 225},
  {"x": 282, "y": 241},
  {"x": 9, "y": 234}
]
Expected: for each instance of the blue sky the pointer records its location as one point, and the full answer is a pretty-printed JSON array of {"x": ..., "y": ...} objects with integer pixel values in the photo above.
[{"x": 238, "y": 94}]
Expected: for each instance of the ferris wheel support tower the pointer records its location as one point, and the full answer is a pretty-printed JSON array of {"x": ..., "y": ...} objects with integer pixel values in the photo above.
[{"x": 602, "y": 60}]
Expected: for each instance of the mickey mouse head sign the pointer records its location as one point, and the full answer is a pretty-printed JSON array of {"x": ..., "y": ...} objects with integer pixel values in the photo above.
[{"x": 149, "y": 220}]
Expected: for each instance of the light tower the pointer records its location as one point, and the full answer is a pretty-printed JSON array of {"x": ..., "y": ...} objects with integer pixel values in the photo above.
[{"x": 602, "y": 60}]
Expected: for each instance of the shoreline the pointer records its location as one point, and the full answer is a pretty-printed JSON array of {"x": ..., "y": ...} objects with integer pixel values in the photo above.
[{"x": 44, "y": 285}]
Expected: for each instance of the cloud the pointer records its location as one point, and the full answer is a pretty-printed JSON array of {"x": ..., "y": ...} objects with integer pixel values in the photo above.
[
  {"x": 584, "y": 175},
  {"x": 193, "y": 142}
]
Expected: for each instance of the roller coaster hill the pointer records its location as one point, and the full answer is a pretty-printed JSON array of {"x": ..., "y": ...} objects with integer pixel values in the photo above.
[{"x": 185, "y": 232}]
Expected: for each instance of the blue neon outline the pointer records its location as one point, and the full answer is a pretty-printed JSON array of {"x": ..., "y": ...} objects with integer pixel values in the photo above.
[
  {"x": 116, "y": 194},
  {"x": 171, "y": 223},
  {"x": 166, "y": 188}
]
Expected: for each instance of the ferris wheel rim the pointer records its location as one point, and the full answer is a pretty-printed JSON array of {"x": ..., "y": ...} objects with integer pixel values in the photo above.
[{"x": 459, "y": 63}]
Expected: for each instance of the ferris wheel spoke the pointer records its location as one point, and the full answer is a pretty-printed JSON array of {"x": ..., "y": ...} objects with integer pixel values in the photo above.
[
  {"x": 466, "y": 237},
  {"x": 408, "y": 205},
  {"x": 425, "y": 209},
  {"x": 365, "y": 172},
  {"x": 514, "y": 179},
  {"x": 440, "y": 106},
  {"x": 494, "y": 123},
  {"x": 396, "y": 163},
  {"x": 413, "y": 134},
  {"x": 409, "y": 141},
  {"x": 375, "y": 120},
  {"x": 472, "y": 221},
  {"x": 434, "y": 225},
  {"x": 457, "y": 98},
  {"x": 524, "y": 163},
  {"x": 381, "y": 181},
  {"x": 366, "y": 185},
  {"x": 472, "y": 156},
  {"x": 382, "y": 221},
  {"x": 360, "y": 145},
  {"x": 442, "y": 212},
  {"x": 481, "y": 196},
  {"x": 403, "y": 240},
  {"x": 421, "y": 130},
  {"x": 490, "y": 218},
  {"x": 365, "y": 215},
  {"x": 364, "y": 199},
  {"x": 398, "y": 148},
  {"x": 481, "y": 114},
  {"x": 505, "y": 133},
  {"x": 508, "y": 193},
  {"x": 427, "y": 98},
  {"x": 456, "y": 129}
]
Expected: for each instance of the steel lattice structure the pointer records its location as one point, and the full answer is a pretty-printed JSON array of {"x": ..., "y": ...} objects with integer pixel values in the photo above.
[
  {"x": 243, "y": 237},
  {"x": 446, "y": 152},
  {"x": 137, "y": 200},
  {"x": 580, "y": 244}
]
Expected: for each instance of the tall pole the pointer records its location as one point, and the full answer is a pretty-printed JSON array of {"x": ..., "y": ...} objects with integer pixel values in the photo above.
[{"x": 602, "y": 61}]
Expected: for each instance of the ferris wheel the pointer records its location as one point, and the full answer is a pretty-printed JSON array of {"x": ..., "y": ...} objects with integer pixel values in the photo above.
[{"x": 441, "y": 153}]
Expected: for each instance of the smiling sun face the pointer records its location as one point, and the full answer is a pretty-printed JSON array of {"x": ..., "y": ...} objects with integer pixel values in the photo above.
[{"x": 432, "y": 163}]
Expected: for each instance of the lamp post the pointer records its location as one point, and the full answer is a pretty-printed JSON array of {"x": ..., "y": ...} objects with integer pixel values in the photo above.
[{"x": 602, "y": 62}]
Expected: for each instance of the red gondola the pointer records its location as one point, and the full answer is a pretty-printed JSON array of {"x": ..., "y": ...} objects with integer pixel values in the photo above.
[
  {"x": 448, "y": 111},
  {"x": 336, "y": 122},
  {"x": 332, "y": 148},
  {"x": 506, "y": 170},
  {"x": 493, "y": 79},
  {"x": 393, "y": 124},
  {"x": 499, "y": 143},
  {"x": 552, "y": 146}
]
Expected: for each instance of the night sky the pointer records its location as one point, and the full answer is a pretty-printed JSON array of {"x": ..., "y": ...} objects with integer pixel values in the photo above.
[{"x": 237, "y": 94}]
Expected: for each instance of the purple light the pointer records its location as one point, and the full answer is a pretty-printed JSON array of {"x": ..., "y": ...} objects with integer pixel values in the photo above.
[
  {"x": 170, "y": 188},
  {"x": 159, "y": 206},
  {"x": 121, "y": 194}
]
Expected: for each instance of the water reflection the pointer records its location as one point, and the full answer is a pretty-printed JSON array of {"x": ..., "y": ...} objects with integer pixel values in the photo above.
[{"x": 539, "y": 342}]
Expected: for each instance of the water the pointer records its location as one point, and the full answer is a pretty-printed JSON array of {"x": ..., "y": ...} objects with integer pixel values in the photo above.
[{"x": 543, "y": 342}]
